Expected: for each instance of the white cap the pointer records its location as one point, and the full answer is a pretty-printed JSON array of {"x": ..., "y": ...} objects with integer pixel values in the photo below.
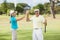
[
  {"x": 11, "y": 12},
  {"x": 36, "y": 10}
]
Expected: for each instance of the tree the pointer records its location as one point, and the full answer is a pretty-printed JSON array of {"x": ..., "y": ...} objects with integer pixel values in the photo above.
[
  {"x": 6, "y": 6},
  {"x": 10, "y": 6},
  {"x": 1, "y": 11},
  {"x": 47, "y": 7},
  {"x": 58, "y": 2},
  {"x": 20, "y": 7},
  {"x": 40, "y": 7},
  {"x": 52, "y": 8}
]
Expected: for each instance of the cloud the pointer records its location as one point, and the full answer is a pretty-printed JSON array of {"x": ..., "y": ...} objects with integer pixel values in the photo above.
[
  {"x": 1, "y": 1},
  {"x": 40, "y": 1},
  {"x": 34, "y": 1}
]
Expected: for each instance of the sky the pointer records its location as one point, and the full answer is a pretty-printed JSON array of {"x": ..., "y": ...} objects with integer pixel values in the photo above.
[{"x": 29, "y": 2}]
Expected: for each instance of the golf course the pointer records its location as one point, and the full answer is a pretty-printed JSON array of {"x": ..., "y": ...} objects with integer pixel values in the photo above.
[{"x": 24, "y": 31}]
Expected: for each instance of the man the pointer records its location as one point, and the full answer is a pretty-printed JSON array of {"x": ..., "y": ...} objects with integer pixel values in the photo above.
[
  {"x": 14, "y": 25},
  {"x": 37, "y": 20}
]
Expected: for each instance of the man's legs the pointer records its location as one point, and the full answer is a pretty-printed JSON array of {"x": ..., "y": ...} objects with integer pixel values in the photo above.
[
  {"x": 14, "y": 35},
  {"x": 34, "y": 36},
  {"x": 39, "y": 34}
]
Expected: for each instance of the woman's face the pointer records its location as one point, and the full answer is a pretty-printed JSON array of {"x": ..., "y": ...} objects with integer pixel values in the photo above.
[{"x": 14, "y": 14}]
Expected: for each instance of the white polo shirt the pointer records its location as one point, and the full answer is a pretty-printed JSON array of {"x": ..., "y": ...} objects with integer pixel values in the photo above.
[{"x": 37, "y": 21}]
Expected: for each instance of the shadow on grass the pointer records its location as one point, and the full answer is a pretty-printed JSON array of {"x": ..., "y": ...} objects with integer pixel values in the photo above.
[
  {"x": 24, "y": 35},
  {"x": 27, "y": 35},
  {"x": 4, "y": 36},
  {"x": 51, "y": 36}
]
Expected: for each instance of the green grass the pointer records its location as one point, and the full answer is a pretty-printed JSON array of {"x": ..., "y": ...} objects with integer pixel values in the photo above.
[{"x": 25, "y": 29}]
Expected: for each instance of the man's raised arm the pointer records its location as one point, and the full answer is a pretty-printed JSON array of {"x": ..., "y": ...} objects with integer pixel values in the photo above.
[{"x": 27, "y": 16}]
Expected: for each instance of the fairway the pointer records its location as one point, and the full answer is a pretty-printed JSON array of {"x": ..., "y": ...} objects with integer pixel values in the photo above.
[{"x": 25, "y": 29}]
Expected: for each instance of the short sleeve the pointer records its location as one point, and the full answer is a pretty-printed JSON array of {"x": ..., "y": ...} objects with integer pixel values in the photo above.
[
  {"x": 32, "y": 18},
  {"x": 43, "y": 19}
]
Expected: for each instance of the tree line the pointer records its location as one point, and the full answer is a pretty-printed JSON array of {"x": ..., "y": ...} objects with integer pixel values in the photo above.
[{"x": 44, "y": 8}]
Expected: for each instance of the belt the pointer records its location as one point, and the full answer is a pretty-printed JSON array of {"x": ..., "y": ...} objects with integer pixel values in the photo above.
[{"x": 36, "y": 28}]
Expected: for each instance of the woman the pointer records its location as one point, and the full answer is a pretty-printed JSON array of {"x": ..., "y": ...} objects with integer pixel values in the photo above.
[{"x": 14, "y": 25}]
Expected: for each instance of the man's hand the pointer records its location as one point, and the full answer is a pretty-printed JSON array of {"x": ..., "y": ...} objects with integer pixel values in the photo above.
[
  {"x": 45, "y": 22},
  {"x": 27, "y": 15}
]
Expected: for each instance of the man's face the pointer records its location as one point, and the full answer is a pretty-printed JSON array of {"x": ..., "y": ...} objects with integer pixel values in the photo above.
[{"x": 37, "y": 13}]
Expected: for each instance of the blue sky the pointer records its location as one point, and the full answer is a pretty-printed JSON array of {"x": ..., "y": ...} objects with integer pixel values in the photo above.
[{"x": 30, "y": 2}]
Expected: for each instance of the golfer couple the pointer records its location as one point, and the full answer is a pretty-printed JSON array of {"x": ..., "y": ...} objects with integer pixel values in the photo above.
[{"x": 37, "y": 20}]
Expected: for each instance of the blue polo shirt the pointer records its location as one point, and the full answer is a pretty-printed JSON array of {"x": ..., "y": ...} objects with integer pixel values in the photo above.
[{"x": 13, "y": 23}]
